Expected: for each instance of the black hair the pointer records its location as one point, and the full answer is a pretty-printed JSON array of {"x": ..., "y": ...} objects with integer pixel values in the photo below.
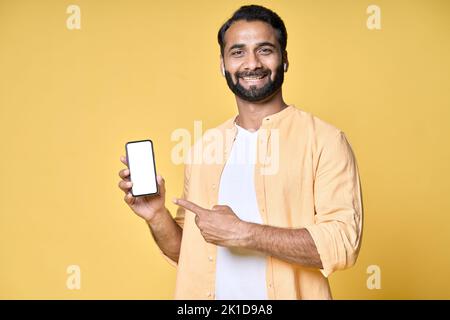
[{"x": 255, "y": 13}]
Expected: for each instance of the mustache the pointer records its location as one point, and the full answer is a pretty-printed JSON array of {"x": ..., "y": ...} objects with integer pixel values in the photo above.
[{"x": 256, "y": 73}]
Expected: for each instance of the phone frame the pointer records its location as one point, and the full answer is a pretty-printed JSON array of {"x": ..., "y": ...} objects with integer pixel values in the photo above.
[{"x": 154, "y": 167}]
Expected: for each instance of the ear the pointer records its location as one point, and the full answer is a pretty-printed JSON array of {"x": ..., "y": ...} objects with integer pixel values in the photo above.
[
  {"x": 285, "y": 61},
  {"x": 222, "y": 66}
]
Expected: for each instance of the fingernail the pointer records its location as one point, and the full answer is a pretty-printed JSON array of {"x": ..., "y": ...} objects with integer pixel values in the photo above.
[{"x": 174, "y": 200}]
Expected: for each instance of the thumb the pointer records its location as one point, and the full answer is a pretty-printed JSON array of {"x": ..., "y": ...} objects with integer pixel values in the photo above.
[{"x": 161, "y": 184}]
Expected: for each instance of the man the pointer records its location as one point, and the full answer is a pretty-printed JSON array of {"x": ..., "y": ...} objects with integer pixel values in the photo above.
[{"x": 244, "y": 230}]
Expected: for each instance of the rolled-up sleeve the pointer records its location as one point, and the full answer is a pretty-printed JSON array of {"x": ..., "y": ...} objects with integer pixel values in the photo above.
[{"x": 338, "y": 223}]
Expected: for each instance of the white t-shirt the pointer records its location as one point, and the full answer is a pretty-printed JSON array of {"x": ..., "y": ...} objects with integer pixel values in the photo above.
[{"x": 241, "y": 273}]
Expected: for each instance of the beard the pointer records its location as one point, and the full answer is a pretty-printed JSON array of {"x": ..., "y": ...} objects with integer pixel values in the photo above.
[{"x": 254, "y": 94}]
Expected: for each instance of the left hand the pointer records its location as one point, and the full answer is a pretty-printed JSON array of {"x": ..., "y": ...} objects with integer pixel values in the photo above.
[{"x": 220, "y": 225}]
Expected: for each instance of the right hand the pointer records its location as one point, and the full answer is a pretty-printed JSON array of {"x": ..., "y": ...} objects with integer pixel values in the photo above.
[{"x": 145, "y": 207}]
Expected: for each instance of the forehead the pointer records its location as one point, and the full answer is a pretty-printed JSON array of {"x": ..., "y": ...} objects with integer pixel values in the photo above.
[{"x": 250, "y": 32}]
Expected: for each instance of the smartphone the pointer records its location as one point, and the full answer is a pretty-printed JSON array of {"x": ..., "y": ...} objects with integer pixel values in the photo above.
[{"x": 141, "y": 163}]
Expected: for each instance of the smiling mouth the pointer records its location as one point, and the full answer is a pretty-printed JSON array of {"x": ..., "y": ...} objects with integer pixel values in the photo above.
[{"x": 253, "y": 78}]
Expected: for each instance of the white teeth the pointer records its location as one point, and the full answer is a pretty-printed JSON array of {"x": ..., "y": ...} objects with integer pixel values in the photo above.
[{"x": 253, "y": 78}]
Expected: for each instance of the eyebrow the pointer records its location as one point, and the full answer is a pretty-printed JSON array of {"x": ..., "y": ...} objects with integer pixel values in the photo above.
[{"x": 260, "y": 44}]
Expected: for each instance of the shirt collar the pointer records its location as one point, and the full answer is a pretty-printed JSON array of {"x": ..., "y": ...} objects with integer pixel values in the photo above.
[{"x": 271, "y": 119}]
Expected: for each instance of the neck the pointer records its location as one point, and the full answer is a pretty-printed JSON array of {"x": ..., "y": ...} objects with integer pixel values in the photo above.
[{"x": 251, "y": 114}]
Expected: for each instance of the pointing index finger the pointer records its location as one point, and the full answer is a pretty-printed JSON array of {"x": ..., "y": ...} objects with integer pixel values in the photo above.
[{"x": 188, "y": 205}]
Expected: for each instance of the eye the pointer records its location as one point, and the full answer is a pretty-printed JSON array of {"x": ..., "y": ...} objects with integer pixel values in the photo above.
[
  {"x": 265, "y": 51},
  {"x": 237, "y": 53}
]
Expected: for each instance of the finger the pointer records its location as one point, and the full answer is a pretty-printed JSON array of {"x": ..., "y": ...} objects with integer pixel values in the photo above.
[
  {"x": 188, "y": 205},
  {"x": 161, "y": 184},
  {"x": 125, "y": 186},
  {"x": 219, "y": 207},
  {"x": 123, "y": 159},
  {"x": 129, "y": 199},
  {"x": 124, "y": 173}
]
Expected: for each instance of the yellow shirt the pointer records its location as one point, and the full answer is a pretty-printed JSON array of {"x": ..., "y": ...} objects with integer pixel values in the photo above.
[{"x": 315, "y": 185}]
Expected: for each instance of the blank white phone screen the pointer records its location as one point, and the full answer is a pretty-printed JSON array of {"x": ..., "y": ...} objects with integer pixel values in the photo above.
[{"x": 142, "y": 167}]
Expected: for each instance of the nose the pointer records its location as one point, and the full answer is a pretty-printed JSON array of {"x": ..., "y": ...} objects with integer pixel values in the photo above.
[{"x": 252, "y": 62}]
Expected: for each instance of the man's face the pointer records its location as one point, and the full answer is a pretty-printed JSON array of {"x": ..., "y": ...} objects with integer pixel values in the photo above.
[{"x": 253, "y": 61}]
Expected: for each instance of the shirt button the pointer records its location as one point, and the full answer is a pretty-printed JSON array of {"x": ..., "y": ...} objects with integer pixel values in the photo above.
[
  {"x": 270, "y": 285},
  {"x": 208, "y": 294},
  {"x": 210, "y": 258}
]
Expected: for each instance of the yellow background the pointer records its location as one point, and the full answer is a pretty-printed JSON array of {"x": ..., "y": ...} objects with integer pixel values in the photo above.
[{"x": 70, "y": 100}]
